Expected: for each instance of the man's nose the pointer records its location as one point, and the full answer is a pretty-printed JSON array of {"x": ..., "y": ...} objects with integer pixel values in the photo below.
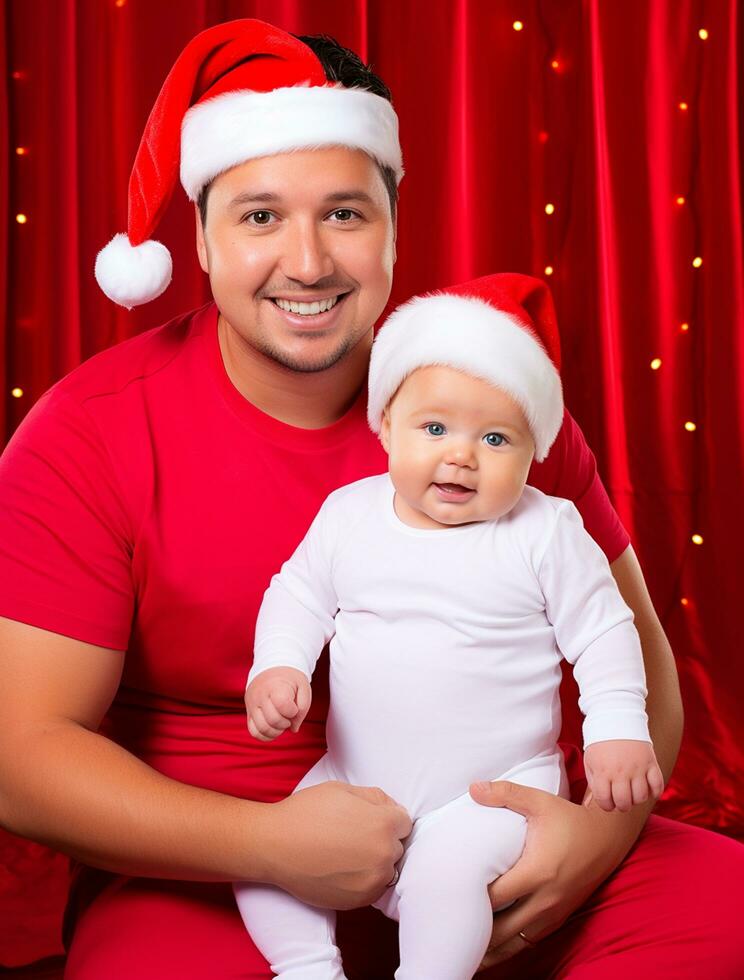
[{"x": 305, "y": 257}]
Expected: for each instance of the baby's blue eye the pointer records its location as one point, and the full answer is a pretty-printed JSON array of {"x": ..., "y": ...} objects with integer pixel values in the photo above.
[
  {"x": 434, "y": 425},
  {"x": 495, "y": 439}
]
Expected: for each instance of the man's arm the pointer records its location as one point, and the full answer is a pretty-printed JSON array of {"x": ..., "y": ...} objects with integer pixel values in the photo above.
[
  {"x": 664, "y": 700},
  {"x": 65, "y": 785}
]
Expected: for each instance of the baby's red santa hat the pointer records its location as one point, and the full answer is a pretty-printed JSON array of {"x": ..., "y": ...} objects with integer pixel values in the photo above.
[
  {"x": 500, "y": 328},
  {"x": 239, "y": 90}
]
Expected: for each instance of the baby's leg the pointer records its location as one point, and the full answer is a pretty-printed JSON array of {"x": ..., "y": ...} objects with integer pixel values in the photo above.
[
  {"x": 298, "y": 940},
  {"x": 441, "y": 899}
]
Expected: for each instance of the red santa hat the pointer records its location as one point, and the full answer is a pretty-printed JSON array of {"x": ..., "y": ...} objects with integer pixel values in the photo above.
[
  {"x": 500, "y": 328},
  {"x": 239, "y": 90}
]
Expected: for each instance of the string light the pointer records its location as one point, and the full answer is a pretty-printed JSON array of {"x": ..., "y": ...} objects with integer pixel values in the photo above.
[
  {"x": 690, "y": 426},
  {"x": 549, "y": 208},
  {"x": 17, "y": 392},
  {"x": 18, "y": 76},
  {"x": 697, "y": 539},
  {"x": 555, "y": 64},
  {"x": 21, "y": 219},
  {"x": 543, "y": 136},
  {"x": 685, "y": 601},
  {"x": 684, "y": 327},
  {"x": 120, "y": 3},
  {"x": 703, "y": 34},
  {"x": 548, "y": 270},
  {"x": 21, "y": 151},
  {"x": 683, "y": 106},
  {"x": 517, "y": 25},
  {"x": 697, "y": 262},
  {"x": 656, "y": 364},
  {"x": 680, "y": 200}
]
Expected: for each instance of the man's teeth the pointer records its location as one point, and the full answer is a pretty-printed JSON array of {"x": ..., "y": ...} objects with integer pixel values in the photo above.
[{"x": 306, "y": 309}]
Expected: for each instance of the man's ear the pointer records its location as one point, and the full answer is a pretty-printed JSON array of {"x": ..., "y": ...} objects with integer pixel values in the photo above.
[
  {"x": 385, "y": 431},
  {"x": 201, "y": 245}
]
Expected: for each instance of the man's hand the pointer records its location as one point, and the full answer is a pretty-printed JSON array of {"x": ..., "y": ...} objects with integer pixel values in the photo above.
[
  {"x": 569, "y": 851},
  {"x": 622, "y": 773},
  {"x": 278, "y": 699},
  {"x": 334, "y": 845}
]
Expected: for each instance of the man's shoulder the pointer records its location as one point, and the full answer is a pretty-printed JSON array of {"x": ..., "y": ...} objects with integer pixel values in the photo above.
[{"x": 136, "y": 359}]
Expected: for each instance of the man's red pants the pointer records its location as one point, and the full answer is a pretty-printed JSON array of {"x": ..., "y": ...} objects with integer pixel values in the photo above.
[{"x": 671, "y": 911}]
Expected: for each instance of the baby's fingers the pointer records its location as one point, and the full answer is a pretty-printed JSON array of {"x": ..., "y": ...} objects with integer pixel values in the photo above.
[
  {"x": 621, "y": 793},
  {"x": 260, "y": 728},
  {"x": 639, "y": 787},
  {"x": 602, "y": 791},
  {"x": 655, "y": 780}
]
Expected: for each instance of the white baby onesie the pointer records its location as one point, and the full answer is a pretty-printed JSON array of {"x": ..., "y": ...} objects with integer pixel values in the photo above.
[{"x": 445, "y": 651}]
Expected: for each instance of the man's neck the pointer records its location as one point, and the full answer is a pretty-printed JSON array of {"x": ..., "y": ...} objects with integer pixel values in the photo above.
[{"x": 308, "y": 400}]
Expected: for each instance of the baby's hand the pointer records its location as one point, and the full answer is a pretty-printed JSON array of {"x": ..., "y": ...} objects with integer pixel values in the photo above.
[
  {"x": 278, "y": 699},
  {"x": 622, "y": 772}
]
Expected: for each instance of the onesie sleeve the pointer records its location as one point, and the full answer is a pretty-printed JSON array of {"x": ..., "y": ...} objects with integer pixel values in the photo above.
[
  {"x": 296, "y": 618},
  {"x": 594, "y": 631},
  {"x": 65, "y": 533}
]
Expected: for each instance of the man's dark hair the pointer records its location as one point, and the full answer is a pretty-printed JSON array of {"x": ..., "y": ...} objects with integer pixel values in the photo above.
[{"x": 340, "y": 65}]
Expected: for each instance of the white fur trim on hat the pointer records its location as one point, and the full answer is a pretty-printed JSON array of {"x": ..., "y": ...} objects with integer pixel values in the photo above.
[
  {"x": 469, "y": 335},
  {"x": 229, "y": 129},
  {"x": 132, "y": 275}
]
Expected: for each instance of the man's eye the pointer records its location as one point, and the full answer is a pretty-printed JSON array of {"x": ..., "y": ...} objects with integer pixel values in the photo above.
[
  {"x": 434, "y": 425},
  {"x": 495, "y": 439},
  {"x": 259, "y": 218},
  {"x": 342, "y": 215}
]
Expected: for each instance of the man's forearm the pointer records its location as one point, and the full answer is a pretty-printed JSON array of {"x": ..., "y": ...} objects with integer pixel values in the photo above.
[{"x": 84, "y": 795}]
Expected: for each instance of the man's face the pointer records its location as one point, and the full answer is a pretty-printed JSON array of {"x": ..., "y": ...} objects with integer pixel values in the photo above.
[
  {"x": 445, "y": 428},
  {"x": 309, "y": 227}
]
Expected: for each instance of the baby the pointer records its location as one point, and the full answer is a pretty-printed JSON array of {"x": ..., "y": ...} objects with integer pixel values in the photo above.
[{"x": 449, "y": 590}]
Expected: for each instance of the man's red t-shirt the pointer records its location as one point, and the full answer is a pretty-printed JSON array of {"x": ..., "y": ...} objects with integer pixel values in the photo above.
[{"x": 145, "y": 505}]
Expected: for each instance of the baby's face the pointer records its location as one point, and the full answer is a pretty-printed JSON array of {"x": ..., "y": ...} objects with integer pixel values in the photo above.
[{"x": 459, "y": 449}]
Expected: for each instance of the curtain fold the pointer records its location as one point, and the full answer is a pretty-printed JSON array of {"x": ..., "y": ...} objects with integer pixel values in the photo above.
[{"x": 620, "y": 116}]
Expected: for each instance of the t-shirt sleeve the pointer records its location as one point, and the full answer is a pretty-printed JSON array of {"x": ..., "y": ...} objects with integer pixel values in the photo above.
[
  {"x": 570, "y": 471},
  {"x": 65, "y": 536}
]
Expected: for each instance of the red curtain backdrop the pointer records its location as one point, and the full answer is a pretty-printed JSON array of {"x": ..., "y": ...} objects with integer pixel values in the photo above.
[{"x": 619, "y": 115}]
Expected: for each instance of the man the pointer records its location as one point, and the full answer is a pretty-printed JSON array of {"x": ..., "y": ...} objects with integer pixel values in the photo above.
[{"x": 148, "y": 498}]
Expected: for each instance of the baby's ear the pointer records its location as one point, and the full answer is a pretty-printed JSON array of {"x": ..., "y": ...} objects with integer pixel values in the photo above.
[{"x": 385, "y": 431}]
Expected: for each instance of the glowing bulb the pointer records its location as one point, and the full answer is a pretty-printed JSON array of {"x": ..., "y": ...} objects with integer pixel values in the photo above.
[
  {"x": 684, "y": 327},
  {"x": 697, "y": 262},
  {"x": 18, "y": 75},
  {"x": 548, "y": 270},
  {"x": 120, "y": 3},
  {"x": 21, "y": 219},
  {"x": 21, "y": 151},
  {"x": 685, "y": 601},
  {"x": 680, "y": 200},
  {"x": 656, "y": 364},
  {"x": 17, "y": 392},
  {"x": 555, "y": 64},
  {"x": 697, "y": 539},
  {"x": 543, "y": 136},
  {"x": 683, "y": 106},
  {"x": 549, "y": 208},
  {"x": 517, "y": 25},
  {"x": 703, "y": 34},
  {"x": 690, "y": 426}
]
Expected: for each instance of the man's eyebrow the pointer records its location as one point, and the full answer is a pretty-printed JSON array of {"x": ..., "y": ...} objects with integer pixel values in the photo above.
[
  {"x": 248, "y": 197},
  {"x": 268, "y": 197}
]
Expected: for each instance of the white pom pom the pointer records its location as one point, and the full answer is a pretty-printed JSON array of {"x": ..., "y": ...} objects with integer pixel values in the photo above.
[{"x": 133, "y": 275}]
